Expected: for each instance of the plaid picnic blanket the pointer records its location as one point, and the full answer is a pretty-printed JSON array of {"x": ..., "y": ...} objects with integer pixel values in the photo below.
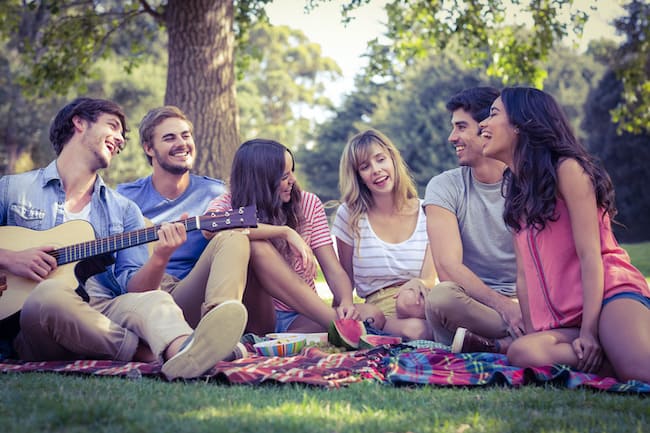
[{"x": 396, "y": 365}]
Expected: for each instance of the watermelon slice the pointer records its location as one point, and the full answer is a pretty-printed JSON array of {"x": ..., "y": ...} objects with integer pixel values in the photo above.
[
  {"x": 370, "y": 341},
  {"x": 346, "y": 333}
]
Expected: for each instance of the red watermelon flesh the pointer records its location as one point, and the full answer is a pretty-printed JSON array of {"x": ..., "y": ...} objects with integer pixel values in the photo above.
[
  {"x": 370, "y": 341},
  {"x": 346, "y": 333}
]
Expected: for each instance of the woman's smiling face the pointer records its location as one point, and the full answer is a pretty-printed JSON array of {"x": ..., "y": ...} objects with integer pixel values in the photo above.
[{"x": 500, "y": 135}]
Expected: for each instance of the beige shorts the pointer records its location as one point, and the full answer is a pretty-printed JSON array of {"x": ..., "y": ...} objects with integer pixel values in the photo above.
[{"x": 384, "y": 299}]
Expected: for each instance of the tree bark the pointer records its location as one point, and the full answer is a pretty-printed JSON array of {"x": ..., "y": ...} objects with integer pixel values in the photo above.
[{"x": 201, "y": 78}]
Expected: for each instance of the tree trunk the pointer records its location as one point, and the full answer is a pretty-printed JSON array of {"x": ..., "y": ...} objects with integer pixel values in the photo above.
[{"x": 201, "y": 78}]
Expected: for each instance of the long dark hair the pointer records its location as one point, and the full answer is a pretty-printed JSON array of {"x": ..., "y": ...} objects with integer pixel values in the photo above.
[
  {"x": 545, "y": 138},
  {"x": 257, "y": 170}
]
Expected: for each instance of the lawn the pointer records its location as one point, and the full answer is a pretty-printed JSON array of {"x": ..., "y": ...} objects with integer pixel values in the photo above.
[
  {"x": 640, "y": 255},
  {"x": 57, "y": 403},
  {"x": 47, "y": 402}
]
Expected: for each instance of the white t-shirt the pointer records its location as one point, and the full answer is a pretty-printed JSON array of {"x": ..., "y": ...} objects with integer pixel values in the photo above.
[{"x": 378, "y": 264}]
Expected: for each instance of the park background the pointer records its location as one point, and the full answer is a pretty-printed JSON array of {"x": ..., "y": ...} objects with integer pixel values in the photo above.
[
  {"x": 250, "y": 79},
  {"x": 400, "y": 62}
]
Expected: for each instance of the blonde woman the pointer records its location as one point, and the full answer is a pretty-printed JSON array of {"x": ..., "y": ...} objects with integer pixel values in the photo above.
[{"x": 381, "y": 234}]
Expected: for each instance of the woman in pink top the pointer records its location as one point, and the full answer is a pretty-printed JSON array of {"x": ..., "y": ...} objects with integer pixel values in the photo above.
[
  {"x": 582, "y": 301},
  {"x": 292, "y": 234}
]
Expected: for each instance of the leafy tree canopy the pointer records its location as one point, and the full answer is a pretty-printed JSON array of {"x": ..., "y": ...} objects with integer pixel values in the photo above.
[
  {"x": 509, "y": 39},
  {"x": 59, "y": 40},
  {"x": 631, "y": 62},
  {"x": 282, "y": 85}
]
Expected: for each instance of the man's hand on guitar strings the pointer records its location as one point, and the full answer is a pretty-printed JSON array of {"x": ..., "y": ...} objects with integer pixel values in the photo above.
[{"x": 34, "y": 263}]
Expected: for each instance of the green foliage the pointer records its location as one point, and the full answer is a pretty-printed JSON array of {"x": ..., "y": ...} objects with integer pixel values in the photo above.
[
  {"x": 632, "y": 65},
  {"x": 512, "y": 41},
  {"x": 320, "y": 162},
  {"x": 486, "y": 31},
  {"x": 411, "y": 112},
  {"x": 59, "y": 41},
  {"x": 282, "y": 85},
  {"x": 624, "y": 155},
  {"x": 570, "y": 79},
  {"x": 24, "y": 123}
]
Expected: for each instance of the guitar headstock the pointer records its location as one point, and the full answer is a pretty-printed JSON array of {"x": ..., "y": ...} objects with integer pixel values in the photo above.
[{"x": 241, "y": 217}]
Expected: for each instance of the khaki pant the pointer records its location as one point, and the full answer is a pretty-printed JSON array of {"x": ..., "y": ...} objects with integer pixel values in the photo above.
[
  {"x": 56, "y": 324},
  {"x": 448, "y": 306},
  {"x": 218, "y": 275}
]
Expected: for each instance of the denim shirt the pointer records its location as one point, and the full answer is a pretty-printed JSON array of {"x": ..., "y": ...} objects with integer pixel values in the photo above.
[{"x": 35, "y": 200}]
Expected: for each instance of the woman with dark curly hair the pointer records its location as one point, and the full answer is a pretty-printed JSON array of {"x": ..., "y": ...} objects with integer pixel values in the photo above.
[{"x": 583, "y": 302}]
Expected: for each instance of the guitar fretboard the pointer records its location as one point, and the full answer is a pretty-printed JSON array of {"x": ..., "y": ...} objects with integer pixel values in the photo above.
[{"x": 113, "y": 243}]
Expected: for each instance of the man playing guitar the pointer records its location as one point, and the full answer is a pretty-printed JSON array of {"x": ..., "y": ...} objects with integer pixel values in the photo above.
[{"x": 126, "y": 317}]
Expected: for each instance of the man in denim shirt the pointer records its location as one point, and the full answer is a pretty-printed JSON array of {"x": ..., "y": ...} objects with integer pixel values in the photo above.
[{"x": 126, "y": 316}]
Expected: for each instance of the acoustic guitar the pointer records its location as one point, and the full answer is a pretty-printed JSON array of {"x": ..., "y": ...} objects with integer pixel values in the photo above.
[{"x": 77, "y": 262}]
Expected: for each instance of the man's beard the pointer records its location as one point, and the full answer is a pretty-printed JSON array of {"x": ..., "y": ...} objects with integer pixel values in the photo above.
[
  {"x": 175, "y": 169},
  {"x": 171, "y": 168}
]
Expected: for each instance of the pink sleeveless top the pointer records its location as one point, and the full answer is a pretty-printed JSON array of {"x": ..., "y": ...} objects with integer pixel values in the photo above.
[{"x": 552, "y": 271}]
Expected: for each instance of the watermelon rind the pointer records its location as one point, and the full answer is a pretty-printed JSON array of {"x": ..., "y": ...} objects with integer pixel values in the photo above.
[
  {"x": 370, "y": 341},
  {"x": 346, "y": 333}
]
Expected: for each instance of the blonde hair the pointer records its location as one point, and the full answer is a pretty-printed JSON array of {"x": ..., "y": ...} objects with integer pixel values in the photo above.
[{"x": 354, "y": 193}]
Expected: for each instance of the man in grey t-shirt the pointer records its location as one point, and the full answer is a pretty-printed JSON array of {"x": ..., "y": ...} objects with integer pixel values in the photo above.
[{"x": 474, "y": 308}]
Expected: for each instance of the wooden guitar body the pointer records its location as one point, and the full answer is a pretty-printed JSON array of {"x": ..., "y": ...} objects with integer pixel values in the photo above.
[{"x": 19, "y": 238}]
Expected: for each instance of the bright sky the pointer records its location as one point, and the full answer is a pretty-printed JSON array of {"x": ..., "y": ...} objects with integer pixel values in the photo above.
[{"x": 346, "y": 45}]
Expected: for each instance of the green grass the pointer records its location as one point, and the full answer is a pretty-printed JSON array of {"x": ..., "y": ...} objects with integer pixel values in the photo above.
[
  {"x": 50, "y": 402},
  {"x": 58, "y": 403},
  {"x": 640, "y": 256}
]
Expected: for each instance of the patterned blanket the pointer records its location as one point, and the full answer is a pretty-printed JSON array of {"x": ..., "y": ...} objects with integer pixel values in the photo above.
[{"x": 397, "y": 365}]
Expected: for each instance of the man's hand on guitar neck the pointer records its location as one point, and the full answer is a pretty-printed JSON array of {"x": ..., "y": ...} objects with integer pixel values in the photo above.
[
  {"x": 34, "y": 263},
  {"x": 170, "y": 237}
]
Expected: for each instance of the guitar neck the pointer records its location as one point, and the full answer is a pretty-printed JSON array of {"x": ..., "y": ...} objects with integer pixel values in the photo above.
[{"x": 116, "y": 242}]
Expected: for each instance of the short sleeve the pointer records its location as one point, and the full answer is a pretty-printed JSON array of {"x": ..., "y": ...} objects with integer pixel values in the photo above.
[
  {"x": 341, "y": 227},
  {"x": 442, "y": 191},
  {"x": 314, "y": 212}
]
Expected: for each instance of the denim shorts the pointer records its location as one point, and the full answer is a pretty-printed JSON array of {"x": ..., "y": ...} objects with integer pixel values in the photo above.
[
  {"x": 284, "y": 319},
  {"x": 630, "y": 295}
]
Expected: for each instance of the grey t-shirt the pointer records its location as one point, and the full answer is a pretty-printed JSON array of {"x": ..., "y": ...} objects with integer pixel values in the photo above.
[{"x": 488, "y": 249}]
